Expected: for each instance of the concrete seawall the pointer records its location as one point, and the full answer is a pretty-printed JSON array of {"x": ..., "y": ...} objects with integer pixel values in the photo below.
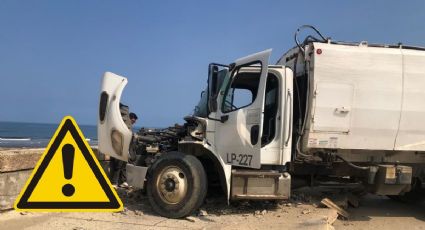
[{"x": 16, "y": 166}]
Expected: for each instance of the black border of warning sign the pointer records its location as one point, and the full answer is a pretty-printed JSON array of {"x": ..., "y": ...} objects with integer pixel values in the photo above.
[{"x": 68, "y": 126}]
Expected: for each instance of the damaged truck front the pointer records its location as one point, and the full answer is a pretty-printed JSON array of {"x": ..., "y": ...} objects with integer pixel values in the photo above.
[{"x": 327, "y": 113}]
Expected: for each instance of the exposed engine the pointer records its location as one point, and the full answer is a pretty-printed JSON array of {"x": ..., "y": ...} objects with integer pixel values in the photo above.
[{"x": 148, "y": 143}]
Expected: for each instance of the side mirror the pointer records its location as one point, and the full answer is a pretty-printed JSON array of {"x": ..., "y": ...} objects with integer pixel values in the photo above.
[{"x": 212, "y": 87}]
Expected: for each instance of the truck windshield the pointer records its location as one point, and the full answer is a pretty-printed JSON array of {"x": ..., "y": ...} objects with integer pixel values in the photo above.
[{"x": 201, "y": 110}]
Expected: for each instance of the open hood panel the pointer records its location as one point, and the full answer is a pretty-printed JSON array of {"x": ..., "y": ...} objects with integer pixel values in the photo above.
[{"x": 113, "y": 134}]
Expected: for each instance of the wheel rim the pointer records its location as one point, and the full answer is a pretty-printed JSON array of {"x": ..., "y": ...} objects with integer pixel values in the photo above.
[{"x": 172, "y": 185}]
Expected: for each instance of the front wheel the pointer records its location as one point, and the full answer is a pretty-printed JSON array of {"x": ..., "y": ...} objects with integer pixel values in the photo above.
[{"x": 177, "y": 185}]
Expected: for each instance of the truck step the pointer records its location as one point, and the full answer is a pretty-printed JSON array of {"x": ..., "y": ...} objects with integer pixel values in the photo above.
[
  {"x": 260, "y": 185},
  {"x": 256, "y": 173}
]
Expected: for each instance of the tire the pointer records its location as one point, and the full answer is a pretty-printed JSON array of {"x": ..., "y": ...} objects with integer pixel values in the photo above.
[
  {"x": 177, "y": 185},
  {"x": 416, "y": 194}
]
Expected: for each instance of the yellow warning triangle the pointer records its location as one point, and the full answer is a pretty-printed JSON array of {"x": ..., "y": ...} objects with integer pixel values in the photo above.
[{"x": 68, "y": 177}]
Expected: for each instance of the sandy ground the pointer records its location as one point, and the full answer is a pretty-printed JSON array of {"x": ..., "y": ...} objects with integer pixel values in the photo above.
[{"x": 302, "y": 212}]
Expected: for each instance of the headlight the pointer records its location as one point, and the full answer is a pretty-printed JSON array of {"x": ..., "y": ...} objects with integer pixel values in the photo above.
[{"x": 117, "y": 142}]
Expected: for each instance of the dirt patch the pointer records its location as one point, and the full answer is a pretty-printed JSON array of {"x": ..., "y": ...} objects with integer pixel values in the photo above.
[{"x": 302, "y": 211}]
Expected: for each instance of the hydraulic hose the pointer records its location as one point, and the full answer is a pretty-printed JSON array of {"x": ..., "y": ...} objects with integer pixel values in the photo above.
[
  {"x": 308, "y": 37},
  {"x": 351, "y": 164},
  {"x": 302, "y": 50}
]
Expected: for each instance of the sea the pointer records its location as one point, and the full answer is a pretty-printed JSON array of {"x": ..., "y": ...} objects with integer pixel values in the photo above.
[{"x": 36, "y": 135}]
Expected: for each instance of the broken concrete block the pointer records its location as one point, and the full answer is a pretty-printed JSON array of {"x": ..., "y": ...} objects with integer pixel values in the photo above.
[
  {"x": 6, "y": 202},
  {"x": 16, "y": 166},
  {"x": 328, "y": 203},
  {"x": 19, "y": 159},
  {"x": 202, "y": 213},
  {"x": 11, "y": 184},
  {"x": 331, "y": 216},
  {"x": 306, "y": 211},
  {"x": 191, "y": 219}
]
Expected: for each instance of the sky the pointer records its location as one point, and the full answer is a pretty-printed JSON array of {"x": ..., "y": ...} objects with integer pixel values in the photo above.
[{"x": 54, "y": 53}]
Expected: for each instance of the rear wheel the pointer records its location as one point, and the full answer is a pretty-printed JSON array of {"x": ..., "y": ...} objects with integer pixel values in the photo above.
[
  {"x": 416, "y": 194},
  {"x": 177, "y": 185}
]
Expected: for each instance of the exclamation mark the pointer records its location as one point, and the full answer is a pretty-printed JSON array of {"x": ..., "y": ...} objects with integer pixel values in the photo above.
[{"x": 68, "y": 165}]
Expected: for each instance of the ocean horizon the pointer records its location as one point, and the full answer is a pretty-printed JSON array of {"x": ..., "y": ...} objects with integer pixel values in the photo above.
[{"x": 36, "y": 135}]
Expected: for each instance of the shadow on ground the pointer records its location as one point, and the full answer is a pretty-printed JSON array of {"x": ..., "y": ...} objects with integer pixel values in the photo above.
[
  {"x": 381, "y": 206},
  {"x": 215, "y": 204}
]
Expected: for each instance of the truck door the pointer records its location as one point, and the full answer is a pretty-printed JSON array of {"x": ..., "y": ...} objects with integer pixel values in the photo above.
[{"x": 240, "y": 109}]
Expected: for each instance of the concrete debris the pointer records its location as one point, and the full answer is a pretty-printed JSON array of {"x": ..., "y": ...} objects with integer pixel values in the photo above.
[
  {"x": 260, "y": 213},
  {"x": 283, "y": 205},
  {"x": 191, "y": 219},
  {"x": 332, "y": 216},
  {"x": 330, "y": 204},
  {"x": 138, "y": 213},
  {"x": 257, "y": 212},
  {"x": 225, "y": 211},
  {"x": 202, "y": 213},
  {"x": 124, "y": 211},
  {"x": 306, "y": 211},
  {"x": 78, "y": 228}
]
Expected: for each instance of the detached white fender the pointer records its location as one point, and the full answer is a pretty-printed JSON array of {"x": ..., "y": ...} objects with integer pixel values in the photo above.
[{"x": 113, "y": 134}]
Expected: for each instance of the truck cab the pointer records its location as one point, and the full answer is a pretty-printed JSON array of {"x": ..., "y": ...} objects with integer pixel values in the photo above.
[{"x": 240, "y": 133}]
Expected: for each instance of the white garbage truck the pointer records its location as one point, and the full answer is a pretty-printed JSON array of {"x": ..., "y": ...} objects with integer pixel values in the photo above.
[{"x": 327, "y": 113}]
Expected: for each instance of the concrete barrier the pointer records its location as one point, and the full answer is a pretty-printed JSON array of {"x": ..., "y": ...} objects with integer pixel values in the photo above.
[{"x": 16, "y": 166}]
